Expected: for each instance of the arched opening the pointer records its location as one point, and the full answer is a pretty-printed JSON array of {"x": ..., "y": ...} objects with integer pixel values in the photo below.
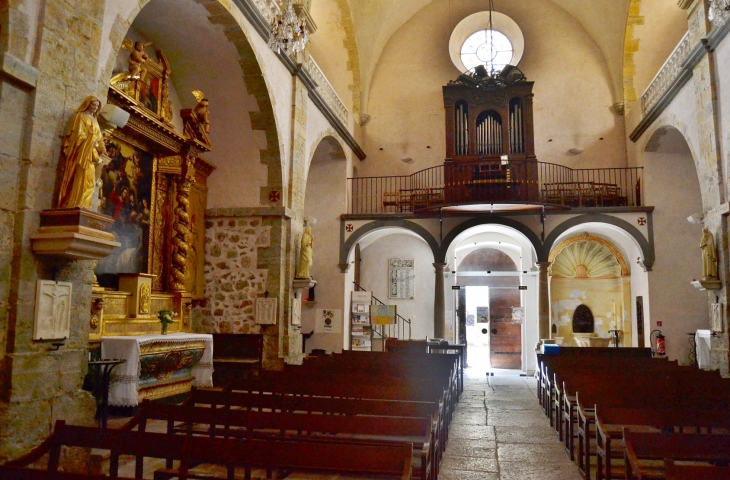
[
  {"x": 243, "y": 165},
  {"x": 669, "y": 167},
  {"x": 491, "y": 311},
  {"x": 589, "y": 266},
  {"x": 325, "y": 194}
]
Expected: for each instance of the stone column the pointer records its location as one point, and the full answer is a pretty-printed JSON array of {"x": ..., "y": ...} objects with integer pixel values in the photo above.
[
  {"x": 543, "y": 299},
  {"x": 439, "y": 312}
]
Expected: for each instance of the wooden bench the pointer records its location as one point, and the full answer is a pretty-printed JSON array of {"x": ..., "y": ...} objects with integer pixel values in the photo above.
[
  {"x": 236, "y": 356},
  {"x": 692, "y": 472},
  {"x": 390, "y": 461},
  {"x": 250, "y": 424},
  {"x": 642, "y": 448}
]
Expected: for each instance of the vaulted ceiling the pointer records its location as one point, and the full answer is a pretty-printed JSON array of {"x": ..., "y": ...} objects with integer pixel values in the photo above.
[{"x": 377, "y": 20}]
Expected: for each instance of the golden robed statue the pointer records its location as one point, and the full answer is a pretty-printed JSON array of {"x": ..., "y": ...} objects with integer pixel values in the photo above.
[
  {"x": 306, "y": 256},
  {"x": 82, "y": 147}
]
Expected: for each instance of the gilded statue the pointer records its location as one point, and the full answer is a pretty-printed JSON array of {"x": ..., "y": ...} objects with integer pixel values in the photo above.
[
  {"x": 137, "y": 59},
  {"x": 197, "y": 120},
  {"x": 709, "y": 255},
  {"x": 201, "y": 110},
  {"x": 306, "y": 255},
  {"x": 83, "y": 147}
]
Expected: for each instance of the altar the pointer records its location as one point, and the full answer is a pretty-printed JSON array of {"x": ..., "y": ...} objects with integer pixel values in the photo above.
[{"x": 158, "y": 366}]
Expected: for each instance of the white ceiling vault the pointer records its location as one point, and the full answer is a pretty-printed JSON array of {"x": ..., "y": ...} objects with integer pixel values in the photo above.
[{"x": 377, "y": 20}]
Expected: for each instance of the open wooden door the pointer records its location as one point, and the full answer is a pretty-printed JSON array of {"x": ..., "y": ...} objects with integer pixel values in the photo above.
[{"x": 505, "y": 336}]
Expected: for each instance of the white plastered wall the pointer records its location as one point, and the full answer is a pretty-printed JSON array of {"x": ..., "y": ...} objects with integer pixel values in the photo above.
[
  {"x": 374, "y": 277},
  {"x": 572, "y": 96}
]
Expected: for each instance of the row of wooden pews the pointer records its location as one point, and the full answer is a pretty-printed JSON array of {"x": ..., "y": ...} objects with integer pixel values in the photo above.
[
  {"x": 591, "y": 395},
  {"x": 366, "y": 414}
]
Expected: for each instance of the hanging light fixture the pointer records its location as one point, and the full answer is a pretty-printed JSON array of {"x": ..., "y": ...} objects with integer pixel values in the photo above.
[
  {"x": 718, "y": 10},
  {"x": 486, "y": 77},
  {"x": 289, "y": 32}
]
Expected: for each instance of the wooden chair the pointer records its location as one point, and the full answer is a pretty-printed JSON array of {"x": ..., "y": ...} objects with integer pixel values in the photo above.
[
  {"x": 390, "y": 199},
  {"x": 404, "y": 200}
]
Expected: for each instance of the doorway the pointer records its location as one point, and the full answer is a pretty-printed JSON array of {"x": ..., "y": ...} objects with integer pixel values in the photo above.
[{"x": 494, "y": 317}]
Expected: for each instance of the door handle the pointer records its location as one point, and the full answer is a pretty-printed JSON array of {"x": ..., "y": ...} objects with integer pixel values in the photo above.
[
  {"x": 485, "y": 331},
  {"x": 494, "y": 331}
]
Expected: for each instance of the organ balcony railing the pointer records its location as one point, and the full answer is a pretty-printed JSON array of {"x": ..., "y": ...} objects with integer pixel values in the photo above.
[{"x": 496, "y": 181}]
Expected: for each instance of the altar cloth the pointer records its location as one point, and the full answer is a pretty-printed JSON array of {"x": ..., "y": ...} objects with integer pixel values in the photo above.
[{"x": 167, "y": 352}]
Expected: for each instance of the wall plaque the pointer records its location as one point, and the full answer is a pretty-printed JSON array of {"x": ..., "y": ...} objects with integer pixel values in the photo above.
[
  {"x": 52, "y": 310},
  {"x": 401, "y": 276}
]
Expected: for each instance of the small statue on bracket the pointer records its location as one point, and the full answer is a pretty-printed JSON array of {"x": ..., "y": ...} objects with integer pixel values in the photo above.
[
  {"x": 197, "y": 120},
  {"x": 709, "y": 255},
  {"x": 306, "y": 255}
]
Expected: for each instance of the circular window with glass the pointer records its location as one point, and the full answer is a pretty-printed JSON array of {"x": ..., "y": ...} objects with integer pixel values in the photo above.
[
  {"x": 487, "y": 47},
  {"x": 473, "y": 43}
]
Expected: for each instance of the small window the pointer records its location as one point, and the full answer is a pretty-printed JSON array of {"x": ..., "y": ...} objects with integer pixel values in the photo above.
[{"x": 487, "y": 47}]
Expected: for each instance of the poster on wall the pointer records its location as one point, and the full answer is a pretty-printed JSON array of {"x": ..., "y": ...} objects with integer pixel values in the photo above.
[
  {"x": 482, "y": 314},
  {"x": 126, "y": 196},
  {"x": 401, "y": 276},
  {"x": 329, "y": 320},
  {"x": 382, "y": 314},
  {"x": 470, "y": 320}
]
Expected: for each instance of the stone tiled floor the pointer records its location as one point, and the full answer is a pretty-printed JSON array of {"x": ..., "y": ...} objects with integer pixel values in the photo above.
[{"x": 500, "y": 432}]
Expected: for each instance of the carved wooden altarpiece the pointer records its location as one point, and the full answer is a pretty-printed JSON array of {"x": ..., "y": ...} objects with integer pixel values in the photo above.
[{"x": 155, "y": 189}]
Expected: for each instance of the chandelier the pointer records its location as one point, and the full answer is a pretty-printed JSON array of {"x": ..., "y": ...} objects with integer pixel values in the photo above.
[
  {"x": 289, "y": 32},
  {"x": 494, "y": 80},
  {"x": 718, "y": 10}
]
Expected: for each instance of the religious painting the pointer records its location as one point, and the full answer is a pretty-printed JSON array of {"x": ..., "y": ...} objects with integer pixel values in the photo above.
[
  {"x": 52, "y": 310},
  {"x": 126, "y": 196},
  {"x": 482, "y": 314},
  {"x": 401, "y": 277},
  {"x": 149, "y": 93}
]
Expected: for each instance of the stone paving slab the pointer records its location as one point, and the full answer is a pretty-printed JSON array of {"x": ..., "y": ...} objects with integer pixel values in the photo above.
[{"x": 516, "y": 443}]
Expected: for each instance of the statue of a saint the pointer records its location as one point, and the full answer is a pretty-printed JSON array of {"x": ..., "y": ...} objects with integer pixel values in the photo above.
[
  {"x": 306, "y": 254},
  {"x": 82, "y": 147},
  {"x": 709, "y": 255}
]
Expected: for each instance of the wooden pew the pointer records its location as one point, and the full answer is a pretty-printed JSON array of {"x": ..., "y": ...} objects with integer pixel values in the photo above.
[
  {"x": 692, "y": 472},
  {"x": 20, "y": 473},
  {"x": 391, "y": 461},
  {"x": 252, "y": 424},
  {"x": 236, "y": 356},
  {"x": 612, "y": 422},
  {"x": 643, "y": 447}
]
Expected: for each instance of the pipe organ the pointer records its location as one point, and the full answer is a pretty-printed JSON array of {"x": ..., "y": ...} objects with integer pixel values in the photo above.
[{"x": 490, "y": 147}]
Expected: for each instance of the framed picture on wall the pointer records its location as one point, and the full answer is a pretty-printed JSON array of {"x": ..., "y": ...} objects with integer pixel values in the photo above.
[{"x": 482, "y": 314}]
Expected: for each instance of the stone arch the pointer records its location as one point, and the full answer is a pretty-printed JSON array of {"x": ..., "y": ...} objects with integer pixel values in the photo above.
[
  {"x": 231, "y": 22},
  {"x": 529, "y": 234},
  {"x": 347, "y": 246},
  {"x": 646, "y": 246},
  {"x": 314, "y": 145}
]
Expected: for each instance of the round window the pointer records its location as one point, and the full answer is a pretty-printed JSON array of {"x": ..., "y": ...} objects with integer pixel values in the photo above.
[
  {"x": 487, "y": 47},
  {"x": 473, "y": 43}
]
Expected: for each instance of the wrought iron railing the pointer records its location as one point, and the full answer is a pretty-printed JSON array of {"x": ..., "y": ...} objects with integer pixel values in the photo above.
[
  {"x": 399, "y": 330},
  {"x": 495, "y": 181},
  {"x": 666, "y": 75},
  {"x": 326, "y": 91}
]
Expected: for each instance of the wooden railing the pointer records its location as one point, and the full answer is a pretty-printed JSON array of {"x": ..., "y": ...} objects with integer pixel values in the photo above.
[{"x": 490, "y": 181}]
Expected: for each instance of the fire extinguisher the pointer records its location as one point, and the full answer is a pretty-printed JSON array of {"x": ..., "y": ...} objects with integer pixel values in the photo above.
[{"x": 660, "y": 347}]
